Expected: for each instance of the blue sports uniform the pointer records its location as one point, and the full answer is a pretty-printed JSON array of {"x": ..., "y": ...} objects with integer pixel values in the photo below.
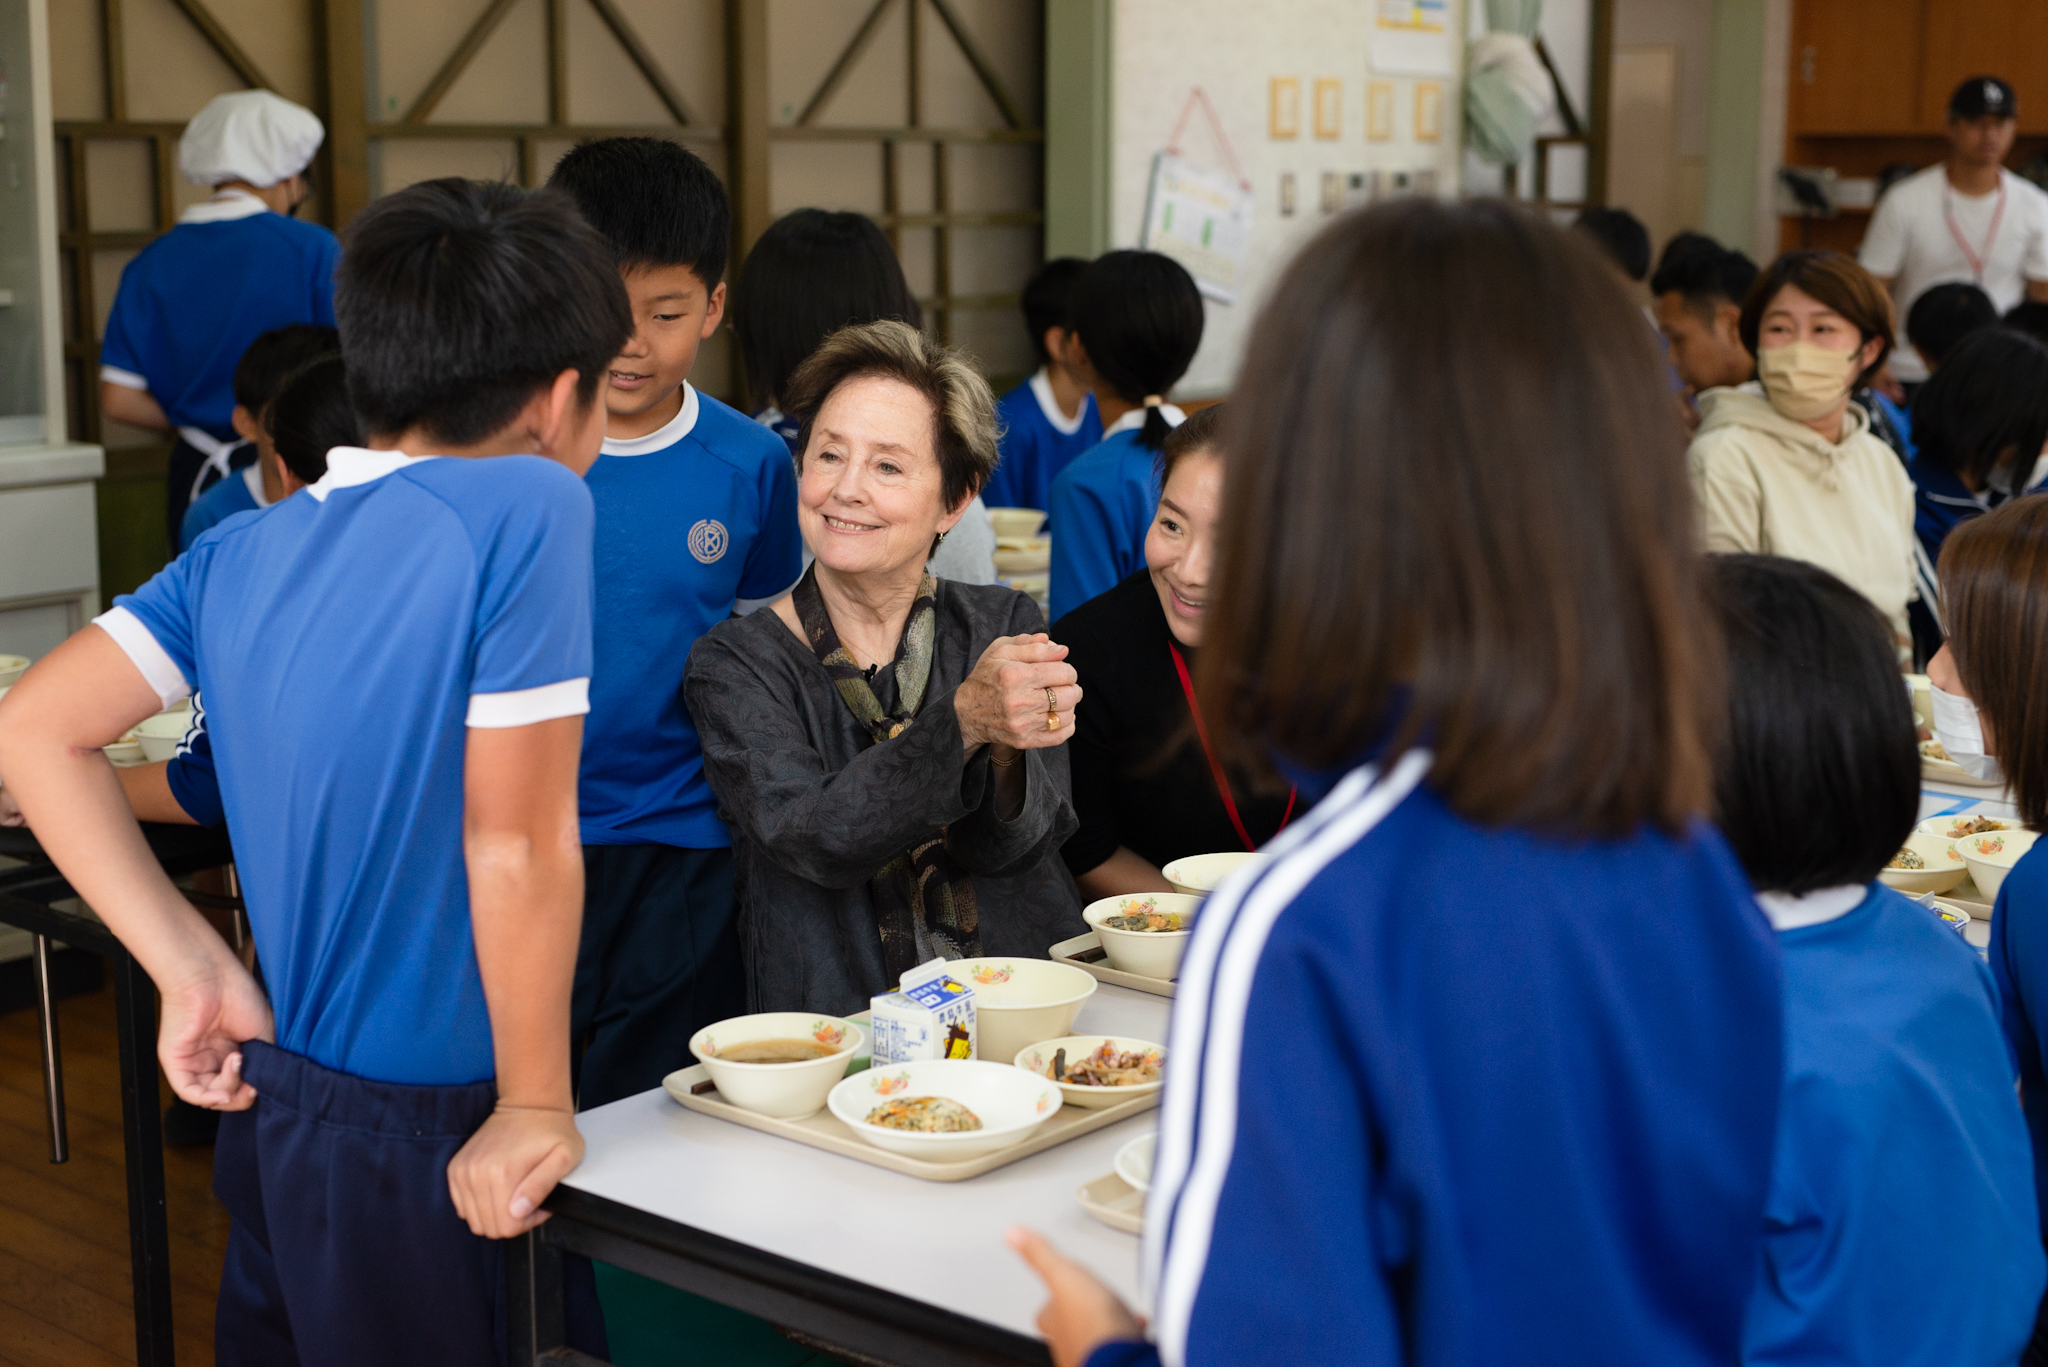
[
  {"x": 1901, "y": 1148},
  {"x": 695, "y": 521},
  {"x": 190, "y": 773},
  {"x": 1103, "y": 505},
  {"x": 1038, "y": 442},
  {"x": 1447, "y": 1096},
  {"x": 345, "y": 643},
  {"x": 240, "y": 492},
  {"x": 2019, "y": 964}
]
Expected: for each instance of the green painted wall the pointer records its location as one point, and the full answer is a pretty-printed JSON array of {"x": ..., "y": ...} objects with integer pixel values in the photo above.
[
  {"x": 1735, "y": 88},
  {"x": 1077, "y": 132}
]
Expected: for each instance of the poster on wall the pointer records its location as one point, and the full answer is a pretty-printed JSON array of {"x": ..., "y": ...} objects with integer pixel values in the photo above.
[
  {"x": 1201, "y": 219},
  {"x": 1412, "y": 38}
]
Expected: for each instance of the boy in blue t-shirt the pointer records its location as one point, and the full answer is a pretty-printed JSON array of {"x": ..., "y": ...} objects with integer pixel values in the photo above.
[
  {"x": 396, "y": 668},
  {"x": 696, "y": 521},
  {"x": 270, "y": 360},
  {"x": 1051, "y": 417},
  {"x": 1902, "y": 1155}
]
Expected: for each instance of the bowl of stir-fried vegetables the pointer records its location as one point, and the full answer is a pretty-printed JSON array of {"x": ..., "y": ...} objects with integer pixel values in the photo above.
[
  {"x": 1144, "y": 933},
  {"x": 1094, "y": 1071}
]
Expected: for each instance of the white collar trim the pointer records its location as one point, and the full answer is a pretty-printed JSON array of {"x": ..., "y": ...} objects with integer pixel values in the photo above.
[
  {"x": 662, "y": 437},
  {"x": 348, "y": 466},
  {"x": 252, "y": 478},
  {"x": 224, "y": 207},
  {"x": 1813, "y": 908},
  {"x": 1135, "y": 419},
  {"x": 1041, "y": 389}
]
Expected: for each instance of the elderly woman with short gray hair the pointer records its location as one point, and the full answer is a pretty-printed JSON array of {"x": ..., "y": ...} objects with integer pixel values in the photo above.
[{"x": 887, "y": 747}]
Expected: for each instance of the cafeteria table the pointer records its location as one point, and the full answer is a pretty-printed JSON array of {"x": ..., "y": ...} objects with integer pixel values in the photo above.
[
  {"x": 30, "y": 888},
  {"x": 1938, "y": 798},
  {"x": 848, "y": 1258}
]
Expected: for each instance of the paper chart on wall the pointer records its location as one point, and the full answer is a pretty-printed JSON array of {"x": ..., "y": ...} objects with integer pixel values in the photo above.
[
  {"x": 1201, "y": 219},
  {"x": 1412, "y": 38}
]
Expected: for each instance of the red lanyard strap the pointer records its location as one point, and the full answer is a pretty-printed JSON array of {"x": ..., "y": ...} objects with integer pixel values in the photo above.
[
  {"x": 1187, "y": 688},
  {"x": 1977, "y": 263}
]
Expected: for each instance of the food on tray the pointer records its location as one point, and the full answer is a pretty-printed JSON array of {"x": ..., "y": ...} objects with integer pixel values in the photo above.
[
  {"x": 1974, "y": 825},
  {"x": 1906, "y": 859},
  {"x": 925, "y": 1115},
  {"x": 1146, "y": 916},
  {"x": 1108, "y": 1066},
  {"x": 1932, "y": 750},
  {"x": 776, "y": 1051}
]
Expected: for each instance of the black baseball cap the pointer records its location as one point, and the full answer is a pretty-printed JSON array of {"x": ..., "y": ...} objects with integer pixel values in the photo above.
[{"x": 1983, "y": 97}]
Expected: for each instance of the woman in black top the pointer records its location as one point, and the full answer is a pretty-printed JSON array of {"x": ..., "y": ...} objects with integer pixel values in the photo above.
[{"x": 1145, "y": 788}]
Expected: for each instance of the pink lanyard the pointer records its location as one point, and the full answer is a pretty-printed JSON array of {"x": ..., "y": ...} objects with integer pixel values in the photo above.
[
  {"x": 1955, "y": 230},
  {"x": 1187, "y": 686}
]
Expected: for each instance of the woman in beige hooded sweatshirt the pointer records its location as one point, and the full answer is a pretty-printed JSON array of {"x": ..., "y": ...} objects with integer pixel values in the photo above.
[{"x": 1786, "y": 465}]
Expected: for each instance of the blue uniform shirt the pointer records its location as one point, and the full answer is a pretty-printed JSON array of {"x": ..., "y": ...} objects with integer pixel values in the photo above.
[
  {"x": 344, "y": 642},
  {"x": 2019, "y": 964},
  {"x": 694, "y": 521},
  {"x": 1038, "y": 442},
  {"x": 193, "y": 300},
  {"x": 240, "y": 492},
  {"x": 1900, "y": 1227},
  {"x": 190, "y": 773},
  {"x": 1460, "y": 1095},
  {"x": 1103, "y": 505}
]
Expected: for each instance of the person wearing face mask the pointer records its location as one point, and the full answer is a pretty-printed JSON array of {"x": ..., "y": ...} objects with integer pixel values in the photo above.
[
  {"x": 1786, "y": 465},
  {"x": 1147, "y": 788}
]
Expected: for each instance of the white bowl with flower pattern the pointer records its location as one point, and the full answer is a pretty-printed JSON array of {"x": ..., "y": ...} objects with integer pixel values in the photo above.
[
  {"x": 1198, "y": 875},
  {"x": 1147, "y": 953},
  {"x": 1009, "y": 1102},
  {"x": 1941, "y": 867},
  {"x": 1038, "y": 1059},
  {"x": 1991, "y": 855},
  {"x": 786, "y": 1091},
  {"x": 1018, "y": 1002}
]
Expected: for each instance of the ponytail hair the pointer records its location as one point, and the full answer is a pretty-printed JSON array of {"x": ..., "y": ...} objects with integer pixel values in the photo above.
[{"x": 1139, "y": 318}]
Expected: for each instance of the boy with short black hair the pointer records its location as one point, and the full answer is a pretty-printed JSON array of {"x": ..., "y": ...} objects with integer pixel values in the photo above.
[
  {"x": 1698, "y": 287},
  {"x": 1050, "y": 418},
  {"x": 696, "y": 521},
  {"x": 396, "y": 667},
  {"x": 1942, "y": 317},
  {"x": 259, "y": 375}
]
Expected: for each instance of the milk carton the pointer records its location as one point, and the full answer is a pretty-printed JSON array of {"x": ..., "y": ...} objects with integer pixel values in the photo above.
[{"x": 931, "y": 1016}]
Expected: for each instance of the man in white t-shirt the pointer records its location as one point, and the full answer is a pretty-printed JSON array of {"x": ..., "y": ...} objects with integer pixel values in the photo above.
[{"x": 1968, "y": 219}]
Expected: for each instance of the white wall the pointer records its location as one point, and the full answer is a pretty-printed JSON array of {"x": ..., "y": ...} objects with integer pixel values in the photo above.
[{"x": 1163, "y": 48}]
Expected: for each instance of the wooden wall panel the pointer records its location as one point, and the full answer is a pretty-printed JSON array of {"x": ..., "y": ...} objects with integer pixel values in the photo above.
[
  {"x": 2006, "y": 38},
  {"x": 1856, "y": 65}
]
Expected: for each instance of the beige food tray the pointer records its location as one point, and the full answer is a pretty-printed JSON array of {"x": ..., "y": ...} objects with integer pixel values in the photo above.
[
  {"x": 1085, "y": 953},
  {"x": 825, "y": 1131},
  {"x": 1115, "y": 1202}
]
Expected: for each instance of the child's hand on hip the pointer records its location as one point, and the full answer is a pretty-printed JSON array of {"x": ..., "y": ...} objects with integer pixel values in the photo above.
[
  {"x": 206, "y": 1020},
  {"x": 499, "y": 1178}
]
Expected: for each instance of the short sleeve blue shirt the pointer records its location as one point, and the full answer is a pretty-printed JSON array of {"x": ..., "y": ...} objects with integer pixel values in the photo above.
[
  {"x": 238, "y": 493},
  {"x": 344, "y": 643},
  {"x": 190, "y": 774},
  {"x": 1038, "y": 442},
  {"x": 193, "y": 300},
  {"x": 1102, "y": 505},
  {"x": 694, "y": 522}
]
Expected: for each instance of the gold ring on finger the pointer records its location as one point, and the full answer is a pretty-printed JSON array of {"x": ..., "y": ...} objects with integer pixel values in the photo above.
[{"x": 1052, "y": 710}]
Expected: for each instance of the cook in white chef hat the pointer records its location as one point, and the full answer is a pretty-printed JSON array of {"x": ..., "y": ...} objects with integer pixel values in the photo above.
[{"x": 252, "y": 136}]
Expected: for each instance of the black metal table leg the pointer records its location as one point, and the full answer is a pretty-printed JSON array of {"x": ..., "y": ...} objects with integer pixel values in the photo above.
[
  {"x": 149, "y": 1232},
  {"x": 53, "y": 1062}
]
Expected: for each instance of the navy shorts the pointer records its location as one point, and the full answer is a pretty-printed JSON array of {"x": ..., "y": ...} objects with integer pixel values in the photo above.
[{"x": 346, "y": 1248}]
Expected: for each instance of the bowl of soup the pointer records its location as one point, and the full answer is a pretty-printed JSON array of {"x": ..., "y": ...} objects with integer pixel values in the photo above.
[
  {"x": 1016, "y": 524},
  {"x": 1144, "y": 933},
  {"x": 1991, "y": 855},
  {"x": 1926, "y": 863},
  {"x": 1018, "y": 1002},
  {"x": 944, "y": 1110},
  {"x": 1198, "y": 875},
  {"x": 778, "y": 1063}
]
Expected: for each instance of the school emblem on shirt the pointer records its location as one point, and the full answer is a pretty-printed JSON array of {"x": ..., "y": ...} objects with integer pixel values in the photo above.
[{"x": 708, "y": 540}]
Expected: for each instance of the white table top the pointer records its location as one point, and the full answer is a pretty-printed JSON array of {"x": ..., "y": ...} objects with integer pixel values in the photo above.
[{"x": 940, "y": 1242}]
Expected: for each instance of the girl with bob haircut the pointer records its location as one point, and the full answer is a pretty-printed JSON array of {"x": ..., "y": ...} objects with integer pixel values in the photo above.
[
  {"x": 1787, "y": 465},
  {"x": 1988, "y": 699},
  {"x": 1428, "y": 1104},
  {"x": 1900, "y": 1142}
]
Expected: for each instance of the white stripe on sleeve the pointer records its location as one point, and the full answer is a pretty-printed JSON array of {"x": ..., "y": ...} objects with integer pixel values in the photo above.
[
  {"x": 1210, "y": 1136},
  {"x": 127, "y": 379},
  {"x": 525, "y": 706},
  {"x": 151, "y": 660}
]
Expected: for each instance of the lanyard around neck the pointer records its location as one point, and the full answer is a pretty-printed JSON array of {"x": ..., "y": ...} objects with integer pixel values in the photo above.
[
  {"x": 1948, "y": 211},
  {"x": 1187, "y": 688}
]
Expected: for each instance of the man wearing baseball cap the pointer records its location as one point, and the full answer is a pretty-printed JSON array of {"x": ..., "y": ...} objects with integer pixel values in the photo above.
[
  {"x": 1967, "y": 219},
  {"x": 234, "y": 267}
]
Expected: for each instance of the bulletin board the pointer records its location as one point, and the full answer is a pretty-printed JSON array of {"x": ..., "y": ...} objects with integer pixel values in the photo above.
[{"x": 1316, "y": 122}]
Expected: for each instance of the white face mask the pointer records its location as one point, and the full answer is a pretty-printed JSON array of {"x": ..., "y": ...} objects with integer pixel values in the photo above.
[{"x": 1961, "y": 733}]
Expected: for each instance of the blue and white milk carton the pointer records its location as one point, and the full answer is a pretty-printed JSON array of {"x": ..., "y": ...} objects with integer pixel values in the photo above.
[{"x": 930, "y": 1016}]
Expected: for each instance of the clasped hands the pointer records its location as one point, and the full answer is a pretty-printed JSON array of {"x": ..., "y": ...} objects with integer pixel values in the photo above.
[{"x": 1021, "y": 696}]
